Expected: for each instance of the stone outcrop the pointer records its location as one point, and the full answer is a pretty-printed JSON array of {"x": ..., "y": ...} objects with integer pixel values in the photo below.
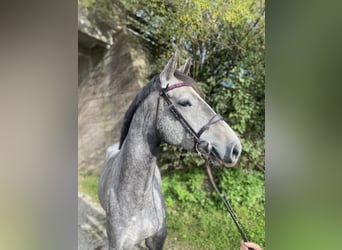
[{"x": 109, "y": 78}]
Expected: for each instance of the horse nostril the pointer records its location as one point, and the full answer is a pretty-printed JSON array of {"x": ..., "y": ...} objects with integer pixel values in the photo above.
[
  {"x": 235, "y": 152},
  {"x": 232, "y": 153}
]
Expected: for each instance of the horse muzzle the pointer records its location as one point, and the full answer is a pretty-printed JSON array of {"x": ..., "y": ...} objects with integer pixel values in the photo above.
[{"x": 228, "y": 157}]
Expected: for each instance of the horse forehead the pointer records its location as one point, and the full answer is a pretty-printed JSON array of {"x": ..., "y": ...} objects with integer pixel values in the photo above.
[{"x": 185, "y": 91}]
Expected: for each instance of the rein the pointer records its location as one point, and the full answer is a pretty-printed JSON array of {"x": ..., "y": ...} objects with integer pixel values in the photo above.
[
  {"x": 225, "y": 200},
  {"x": 196, "y": 136}
]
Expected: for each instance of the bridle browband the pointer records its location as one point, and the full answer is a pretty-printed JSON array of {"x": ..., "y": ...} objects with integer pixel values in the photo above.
[{"x": 197, "y": 141}]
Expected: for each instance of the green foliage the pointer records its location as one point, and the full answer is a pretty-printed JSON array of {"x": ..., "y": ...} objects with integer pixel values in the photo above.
[
  {"x": 196, "y": 218},
  {"x": 196, "y": 215},
  {"x": 88, "y": 184},
  {"x": 242, "y": 105}
]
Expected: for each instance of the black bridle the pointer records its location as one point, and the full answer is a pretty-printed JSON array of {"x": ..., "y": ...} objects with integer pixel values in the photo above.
[
  {"x": 195, "y": 135},
  {"x": 205, "y": 155}
]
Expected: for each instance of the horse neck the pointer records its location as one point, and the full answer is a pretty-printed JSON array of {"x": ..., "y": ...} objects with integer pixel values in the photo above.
[{"x": 139, "y": 151}]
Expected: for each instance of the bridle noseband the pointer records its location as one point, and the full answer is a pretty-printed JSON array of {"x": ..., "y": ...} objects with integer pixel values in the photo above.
[{"x": 195, "y": 135}]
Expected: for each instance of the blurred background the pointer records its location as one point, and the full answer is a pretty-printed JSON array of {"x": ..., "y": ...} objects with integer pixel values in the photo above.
[{"x": 39, "y": 110}]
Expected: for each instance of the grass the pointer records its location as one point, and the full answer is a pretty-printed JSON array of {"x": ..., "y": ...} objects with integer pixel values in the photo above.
[
  {"x": 88, "y": 184},
  {"x": 209, "y": 229},
  {"x": 196, "y": 219}
]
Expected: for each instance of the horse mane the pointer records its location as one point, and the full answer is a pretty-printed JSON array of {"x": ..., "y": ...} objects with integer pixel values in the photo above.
[{"x": 153, "y": 85}]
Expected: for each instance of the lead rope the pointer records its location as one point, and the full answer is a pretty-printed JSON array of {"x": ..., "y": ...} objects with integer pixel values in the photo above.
[{"x": 225, "y": 200}]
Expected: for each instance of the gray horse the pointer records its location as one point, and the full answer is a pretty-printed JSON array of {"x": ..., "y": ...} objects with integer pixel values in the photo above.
[{"x": 130, "y": 183}]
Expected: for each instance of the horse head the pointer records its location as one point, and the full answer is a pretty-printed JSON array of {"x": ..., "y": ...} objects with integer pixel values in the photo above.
[{"x": 185, "y": 119}]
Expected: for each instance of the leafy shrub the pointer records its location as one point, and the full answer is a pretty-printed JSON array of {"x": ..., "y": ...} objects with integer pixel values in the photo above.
[{"x": 196, "y": 214}]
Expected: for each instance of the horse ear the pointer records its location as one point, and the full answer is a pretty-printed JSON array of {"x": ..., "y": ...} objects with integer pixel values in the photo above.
[
  {"x": 169, "y": 70},
  {"x": 185, "y": 68}
]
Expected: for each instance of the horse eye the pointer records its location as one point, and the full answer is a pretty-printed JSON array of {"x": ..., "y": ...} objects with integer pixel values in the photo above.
[{"x": 184, "y": 103}]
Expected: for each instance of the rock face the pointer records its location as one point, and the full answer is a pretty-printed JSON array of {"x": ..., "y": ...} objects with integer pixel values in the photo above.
[
  {"x": 104, "y": 96},
  {"x": 94, "y": 37}
]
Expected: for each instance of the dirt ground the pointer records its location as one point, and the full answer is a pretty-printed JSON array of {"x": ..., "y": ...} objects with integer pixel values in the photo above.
[{"x": 91, "y": 224}]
